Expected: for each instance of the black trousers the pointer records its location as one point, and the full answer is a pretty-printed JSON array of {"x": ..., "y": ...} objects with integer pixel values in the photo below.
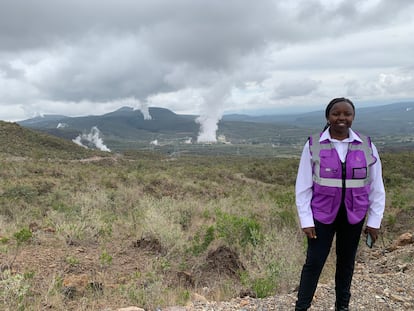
[{"x": 347, "y": 240}]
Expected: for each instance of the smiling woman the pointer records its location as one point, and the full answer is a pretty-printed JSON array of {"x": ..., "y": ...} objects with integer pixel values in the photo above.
[
  {"x": 339, "y": 114},
  {"x": 339, "y": 183}
]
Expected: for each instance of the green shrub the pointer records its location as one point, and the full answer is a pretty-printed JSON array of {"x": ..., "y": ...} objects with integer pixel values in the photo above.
[
  {"x": 263, "y": 287},
  {"x": 233, "y": 228},
  {"x": 23, "y": 235},
  {"x": 105, "y": 259},
  {"x": 202, "y": 240},
  {"x": 21, "y": 192},
  {"x": 14, "y": 290},
  {"x": 72, "y": 261}
]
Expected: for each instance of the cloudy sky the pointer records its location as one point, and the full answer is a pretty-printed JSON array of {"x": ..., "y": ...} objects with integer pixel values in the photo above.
[{"x": 202, "y": 57}]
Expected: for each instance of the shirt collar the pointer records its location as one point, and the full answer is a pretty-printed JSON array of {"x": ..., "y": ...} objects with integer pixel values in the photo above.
[{"x": 352, "y": 136}]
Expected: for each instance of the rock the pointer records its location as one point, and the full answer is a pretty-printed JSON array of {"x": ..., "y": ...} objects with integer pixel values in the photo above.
[
  {"x": 244, "y": 302},
  {"x": 404, "y": 239},
  {"x": 49, "y": 230},
  {"x": 74, "y": 284},
  {"x": 402, "y": 268},
  {"x": 398, "y": 298},
  {"x": 186, "y": 279},
  {"x": 33, "y": 226},
  {"x": 198, "y": 298}
]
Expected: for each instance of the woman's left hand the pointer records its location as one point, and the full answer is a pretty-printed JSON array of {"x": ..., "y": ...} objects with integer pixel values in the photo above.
[{"x": 373, "y": 232}]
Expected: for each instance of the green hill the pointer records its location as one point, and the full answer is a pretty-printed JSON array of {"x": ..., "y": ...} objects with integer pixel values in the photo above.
[{"x": 18, "y": 141}]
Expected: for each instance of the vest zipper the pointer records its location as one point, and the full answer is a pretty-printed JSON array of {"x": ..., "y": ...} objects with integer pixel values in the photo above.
[
  {"x": 343, "y": 182},
  {"x": 344, "y": 176}
]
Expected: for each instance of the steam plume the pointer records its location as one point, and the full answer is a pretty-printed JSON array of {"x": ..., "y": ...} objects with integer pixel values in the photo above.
[
  {"x": 92, "y": 138},
  {"x": 137, "y": 105},
  {"x": 143, "y": 107},
  {"x": 212, "y": 112},
  {"x": 61, "y": 125}
]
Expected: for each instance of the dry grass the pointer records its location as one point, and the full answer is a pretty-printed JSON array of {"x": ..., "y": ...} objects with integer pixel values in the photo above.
[{"x": 143, "y": 231}]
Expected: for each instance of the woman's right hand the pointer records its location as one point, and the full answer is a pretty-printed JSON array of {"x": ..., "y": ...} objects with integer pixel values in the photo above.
[{"x": 310, "y": 232}]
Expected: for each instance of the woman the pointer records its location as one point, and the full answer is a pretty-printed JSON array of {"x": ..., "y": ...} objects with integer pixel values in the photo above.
[{"x": 339, "y": 183}]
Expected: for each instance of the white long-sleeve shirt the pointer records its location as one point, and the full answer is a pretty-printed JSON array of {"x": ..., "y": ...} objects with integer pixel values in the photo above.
[{"x": 304, "y": 182}]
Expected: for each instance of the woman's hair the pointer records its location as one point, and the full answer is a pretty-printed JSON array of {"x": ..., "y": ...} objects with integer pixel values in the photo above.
[{"x": 332, "y": 103}]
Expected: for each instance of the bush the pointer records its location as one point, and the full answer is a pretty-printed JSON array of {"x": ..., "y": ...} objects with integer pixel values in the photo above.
[
  {"x": 233, "y": 228},
  {"x": 14, "y": 290}
]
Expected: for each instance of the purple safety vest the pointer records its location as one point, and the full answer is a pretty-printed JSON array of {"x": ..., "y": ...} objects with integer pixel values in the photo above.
[{"x": 333, "y": 179}]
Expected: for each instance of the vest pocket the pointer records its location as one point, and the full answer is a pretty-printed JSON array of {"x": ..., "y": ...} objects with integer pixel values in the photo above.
[
  {"x": 359, "y": 173},
  {"x": 323, "y": 199},
  {"x": 329, "y": 165},
  {"x": 360, "y": 199}
]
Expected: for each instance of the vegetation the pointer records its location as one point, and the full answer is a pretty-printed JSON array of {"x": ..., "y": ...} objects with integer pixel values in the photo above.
[
  {"x": 150, "y": 230},
  {"x": 20, "y": 142}
]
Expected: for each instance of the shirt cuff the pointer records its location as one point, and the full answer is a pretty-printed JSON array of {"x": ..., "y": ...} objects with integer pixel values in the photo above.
[
  {"x": 307, "y": 222},
  {"x": 374, "y": 221}
]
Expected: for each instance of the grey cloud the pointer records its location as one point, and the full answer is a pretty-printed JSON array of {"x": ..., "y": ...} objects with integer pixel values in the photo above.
[
  {"x": 100, "y": 51},
  {"x": 295, "y": 88},
  {"x": 30, "y": 24},
  {"x": 100, "y": 69},
  {"x": 10, "y": 72},
  {"x": 386, "y": 84},
  {"x": 316, "y": 20},
  {"x": 106, "y": 50}
]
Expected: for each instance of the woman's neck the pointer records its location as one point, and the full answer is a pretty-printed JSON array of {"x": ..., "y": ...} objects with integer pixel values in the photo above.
[{"x": 339, "y": 135}]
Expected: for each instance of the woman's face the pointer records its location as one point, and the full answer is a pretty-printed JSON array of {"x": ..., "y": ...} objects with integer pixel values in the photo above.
[{"x": 341, "y": 116}]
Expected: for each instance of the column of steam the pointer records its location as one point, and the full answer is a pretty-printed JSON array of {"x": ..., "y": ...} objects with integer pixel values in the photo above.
[{"x": 212, "y": 112}]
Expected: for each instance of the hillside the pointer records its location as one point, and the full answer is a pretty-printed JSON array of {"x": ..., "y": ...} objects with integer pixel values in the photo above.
[
  {"x": 149, "y": 230},
  {"x": 18, "y": 141}
]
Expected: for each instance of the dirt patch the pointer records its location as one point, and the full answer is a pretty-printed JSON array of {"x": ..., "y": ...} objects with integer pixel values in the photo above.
[
  {"x": 218, "y": 265},
  {"x": 149, "y": 244},
  {"x": 223, "y": 260},
  {"x": 402, "y": 221}
]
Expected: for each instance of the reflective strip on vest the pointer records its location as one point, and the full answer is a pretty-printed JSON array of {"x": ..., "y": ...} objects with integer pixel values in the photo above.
[
  {"x": 316, "y": 147},
  {"x": 349, "y": 183}
]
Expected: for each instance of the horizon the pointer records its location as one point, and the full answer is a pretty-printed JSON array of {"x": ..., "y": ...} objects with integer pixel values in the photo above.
[{"x": 253, "y": 112}]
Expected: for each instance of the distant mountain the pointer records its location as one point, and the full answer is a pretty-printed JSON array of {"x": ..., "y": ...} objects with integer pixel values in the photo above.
[
  {"x": 123, "y": 122},
  {"x": 392, "y": 119},
  {"x": 127, "y": 128}
]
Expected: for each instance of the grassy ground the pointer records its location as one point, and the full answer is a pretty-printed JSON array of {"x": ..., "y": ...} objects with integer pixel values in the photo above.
[{"x": 149, "y": 230}]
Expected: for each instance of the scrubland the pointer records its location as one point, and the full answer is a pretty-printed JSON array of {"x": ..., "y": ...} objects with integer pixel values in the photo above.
[{"x": 150, "y": 230}]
